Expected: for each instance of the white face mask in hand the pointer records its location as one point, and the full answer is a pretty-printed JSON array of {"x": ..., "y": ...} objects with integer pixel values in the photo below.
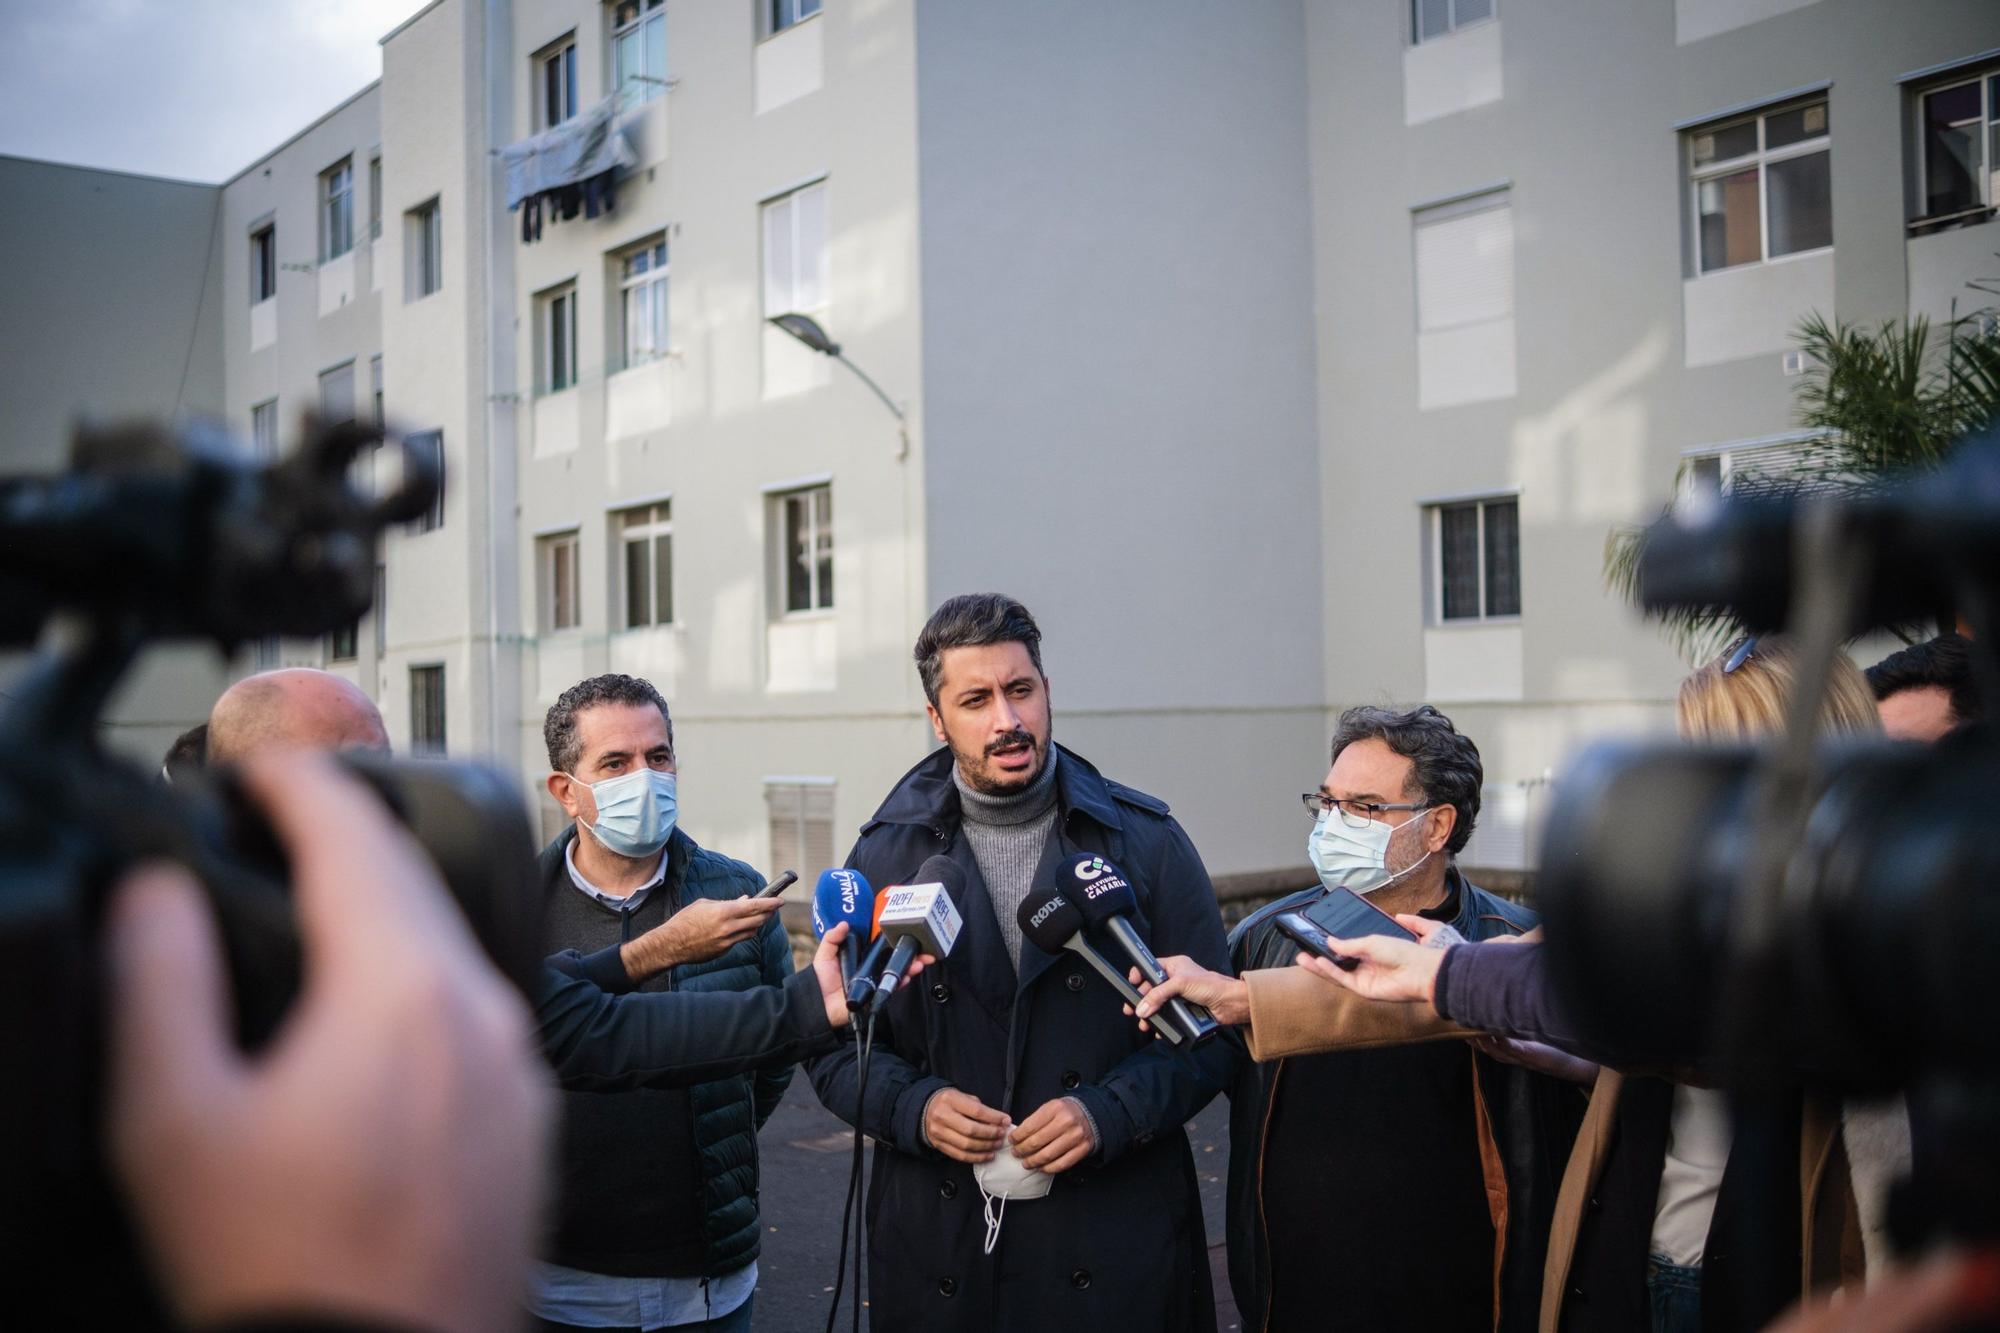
[{"x": 1005, "y": 1178}]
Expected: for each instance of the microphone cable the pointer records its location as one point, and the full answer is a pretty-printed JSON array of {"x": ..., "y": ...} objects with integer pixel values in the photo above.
[{"x": 852, "y": 1212}]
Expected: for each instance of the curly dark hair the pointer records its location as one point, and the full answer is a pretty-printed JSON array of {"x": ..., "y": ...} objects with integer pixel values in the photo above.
[
  {"x": 1944, "y": 662},
  {"x": 559, "y": 727},
  {"x": 1446, "y": 763},
  {"x": 973, "y": 620}
]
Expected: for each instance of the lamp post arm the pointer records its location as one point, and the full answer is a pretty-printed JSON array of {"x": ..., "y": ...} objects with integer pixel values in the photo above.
[{"x": 861, "y": 374}]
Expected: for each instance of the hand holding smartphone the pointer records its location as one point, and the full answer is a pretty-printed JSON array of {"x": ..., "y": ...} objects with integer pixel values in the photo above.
[{"x": 1341, "y": 914}]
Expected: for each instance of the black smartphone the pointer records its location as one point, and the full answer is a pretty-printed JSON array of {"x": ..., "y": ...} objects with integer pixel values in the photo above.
[
  {"x": 1341, "y": 914},
  {"x": 778, "y": 885}
]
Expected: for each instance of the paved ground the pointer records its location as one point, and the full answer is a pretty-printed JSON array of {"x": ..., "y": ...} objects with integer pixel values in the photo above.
[{"x": 806, "y": 1154}]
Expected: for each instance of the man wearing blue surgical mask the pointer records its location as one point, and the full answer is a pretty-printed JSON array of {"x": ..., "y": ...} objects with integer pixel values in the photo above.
[
  {"x": 656, "y": 1223},
  {"x": 1406, "y": 1186}
]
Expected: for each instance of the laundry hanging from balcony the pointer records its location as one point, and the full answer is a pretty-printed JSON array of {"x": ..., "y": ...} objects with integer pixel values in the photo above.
[{"x": 569, "y": 169}]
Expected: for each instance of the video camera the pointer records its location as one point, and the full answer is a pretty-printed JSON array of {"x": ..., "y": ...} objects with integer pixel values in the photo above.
[
  {"x": 1808, "y": 913},
  {"x": 156, "y": 534}
]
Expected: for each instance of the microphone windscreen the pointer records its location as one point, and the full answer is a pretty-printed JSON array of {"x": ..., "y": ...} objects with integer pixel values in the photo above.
[
  {"x": 941, "y": 869},
  {"x": 875, "y": 914},
  {"x": 1097, "y": 888},
  {"x": 1049, "y": 920},
  {"x": 843, "y": 895}
]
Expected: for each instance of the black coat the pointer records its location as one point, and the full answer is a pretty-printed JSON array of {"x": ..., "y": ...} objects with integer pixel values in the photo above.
[{"x": 1118, "y": 1243}]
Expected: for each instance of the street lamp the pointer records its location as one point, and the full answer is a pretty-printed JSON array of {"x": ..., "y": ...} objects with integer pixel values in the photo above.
[{"x": 807, "y": 330}]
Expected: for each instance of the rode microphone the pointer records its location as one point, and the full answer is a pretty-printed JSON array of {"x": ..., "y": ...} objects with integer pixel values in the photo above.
[
  {"x": 844, "y": 895},
  {"x": 1051, "y": 922},
  {"x": 1107, "y": 902},
  {"x": 918, "y": 918}
]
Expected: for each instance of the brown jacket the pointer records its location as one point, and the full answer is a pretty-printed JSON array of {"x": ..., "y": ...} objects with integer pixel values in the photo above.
[{"x": 1293, "y": 1012}]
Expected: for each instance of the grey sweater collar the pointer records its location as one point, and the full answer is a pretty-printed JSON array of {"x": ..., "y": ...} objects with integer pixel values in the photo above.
[{"x": 1024, "y": 806}]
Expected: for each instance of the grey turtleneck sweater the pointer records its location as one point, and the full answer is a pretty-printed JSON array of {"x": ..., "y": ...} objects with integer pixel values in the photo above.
[{"x": 1008, "y": 834}]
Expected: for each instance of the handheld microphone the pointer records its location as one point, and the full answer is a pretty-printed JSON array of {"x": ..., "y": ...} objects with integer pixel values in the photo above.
[
  {"x": 918, "y": 918},
  {"x": 862, "y": 987},
  {"x": 1105, "y": 898},
  {"x": 1050, "y": 921},
  {"x": 843, "y": 895}
]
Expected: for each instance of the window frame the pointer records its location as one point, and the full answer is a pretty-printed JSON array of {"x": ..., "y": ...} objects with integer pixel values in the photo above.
[
  {"x": 558, "y": 57},
  {"x": 821, "y": 595},
  {"x": 1442, "y": 213},
  {"x": 1986, "y": 78},
  {"x": 374, "y": 197},
  {"x": 1761, "y": 158},
  {"x": 1452, "y": 23},
  {"x": 658, "y": 527},
  {"x": 803, "y": 794},
  {"x": 652, "y": 83},
  {"x": 424, "y": 236},
  {"x": 657, "y": 275},
  {"x": 421, "y": 741},
  {"x": 550, "y": 305},
  {"x": 1434, "y": 512},
  {"x": 431, "y": 519},
  {"x": 550, "y": 581},
  {"x": 775, "y": 11},
  {"x": 264, "y": 428},
  {"x": 264, "y": 262},
  {"x": 331, "y": 375},
  {"x": 336, "y": 209},
  {"x": 790, "y": 198}
]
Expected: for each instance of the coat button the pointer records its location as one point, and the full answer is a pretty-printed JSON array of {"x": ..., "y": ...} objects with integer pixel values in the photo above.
[
  {"x": 947, "y": 1286},
  {"x": 1080, "y": 1278},
  {"x": 1069, "y": 1080},
  {"x": 1578, "y": 1294},
  {"x": 1593, "y": 1205},
  {"x": 1074, "y": 981},
  {"x": 948, "y": 1190},
  {"x": 940, "y": 992}
]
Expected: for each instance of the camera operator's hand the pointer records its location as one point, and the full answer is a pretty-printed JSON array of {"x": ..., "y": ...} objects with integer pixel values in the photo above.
[
  {"x": 383, "y": 1158},
  {"x": 1389, "y": 969},
  {"x": 706, "y": 928},
  {"x": 1226, "y": 997}
]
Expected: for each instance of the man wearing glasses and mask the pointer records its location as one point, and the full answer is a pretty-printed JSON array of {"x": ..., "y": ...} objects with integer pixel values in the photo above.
[{"x": 1398, "y": 1186}]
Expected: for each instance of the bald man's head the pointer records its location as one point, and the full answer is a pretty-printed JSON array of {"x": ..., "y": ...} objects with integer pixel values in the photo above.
[{"x": 296, "y": 708}]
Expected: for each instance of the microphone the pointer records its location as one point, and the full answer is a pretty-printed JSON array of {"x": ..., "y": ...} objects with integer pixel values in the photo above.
[
  {"x": 863, "y": 985},
  {"x": 843, "y": 895},
  {"x": 1106, "y": 900},
  {"x": 1051, "y": 922},
  {"x": 918, "y": 918}
]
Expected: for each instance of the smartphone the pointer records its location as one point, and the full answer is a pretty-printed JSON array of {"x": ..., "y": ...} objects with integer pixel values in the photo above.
[
  {"x": 778, "y": 885},
  {"x": 1341, "y": 914}
]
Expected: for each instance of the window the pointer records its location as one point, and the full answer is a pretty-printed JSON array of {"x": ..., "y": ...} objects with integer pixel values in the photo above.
[
  {"x": 375, "y": 197},
  {"x": 375, "y": 389},
  {"x": 336, "y": 209},
  {"x": 263, "y": 263},
  {"x": 555, "y": 83},
  {"x": 1783, "y": 459},
  {"x": 801, "y": 814},
  {"x": 555, "y": 323},
  {"x": 430, "y": 442},
  {"x": 427, "y": 710},
  {"x": 344, "y": 644},
  {"x": 639, "y": 50},
  {"x": 795, "y": 251},
  {"x": 381, "y": 610},
  {"x": 1465, "y": 262},
  {"x": 1762, "y": 187},
  {"x": 561, "y": 589},
  {"x": 1478, "y": 559},
  {"x": 1435, "y": 18},
  {"x": 805, "y": 573},
  {"x": 423, "y": 233},
  {"x": 336, "y": 393},
  {"x": 645, "y": 537},
  {"x": 264, "y": 428},
  {"x": 1960, "y": 126},
  {"x": 643, "y": 292},
  {"x": 784, "y": 13}
]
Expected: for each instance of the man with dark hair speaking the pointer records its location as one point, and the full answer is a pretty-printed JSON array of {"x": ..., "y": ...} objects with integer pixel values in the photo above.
[
  {"x": 656, "y": 1223},
  {"x": 1006, "y": 1057}
]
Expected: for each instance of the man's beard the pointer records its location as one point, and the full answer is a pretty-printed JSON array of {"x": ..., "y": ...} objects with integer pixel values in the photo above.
[{"x": 976, "y": 775}]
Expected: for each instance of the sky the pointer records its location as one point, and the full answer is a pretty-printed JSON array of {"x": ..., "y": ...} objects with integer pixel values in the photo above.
[{"x": 191, "y": 89}]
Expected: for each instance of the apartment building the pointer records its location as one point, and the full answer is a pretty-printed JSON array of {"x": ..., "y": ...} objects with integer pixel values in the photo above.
[{"x": 1281, "y": 356}]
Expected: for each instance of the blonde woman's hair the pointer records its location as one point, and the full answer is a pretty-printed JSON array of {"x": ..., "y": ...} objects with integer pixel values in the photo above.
[{"x": 1749, "y": 702}]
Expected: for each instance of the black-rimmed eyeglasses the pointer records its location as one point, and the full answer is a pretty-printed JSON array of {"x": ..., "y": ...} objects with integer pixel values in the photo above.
[{"x": 1355, "y": 814}]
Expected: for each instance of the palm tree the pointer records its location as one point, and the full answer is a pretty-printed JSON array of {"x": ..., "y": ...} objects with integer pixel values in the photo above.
[{"x": 1878, "y": 402}]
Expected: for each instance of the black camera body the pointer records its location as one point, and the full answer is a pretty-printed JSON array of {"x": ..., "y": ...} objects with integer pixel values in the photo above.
[
  {"x": 1808, "y": 914},
  {"x": 157, "y": 535}
]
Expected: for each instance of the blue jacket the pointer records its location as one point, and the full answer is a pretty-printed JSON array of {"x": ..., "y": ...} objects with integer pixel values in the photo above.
[{"x": 1118, "y": 1242}]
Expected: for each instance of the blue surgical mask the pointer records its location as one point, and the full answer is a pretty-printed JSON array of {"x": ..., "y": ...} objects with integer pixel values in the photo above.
[
  {"x": 635, "y": 811},
  {"x": 1357, "y": 858}
]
